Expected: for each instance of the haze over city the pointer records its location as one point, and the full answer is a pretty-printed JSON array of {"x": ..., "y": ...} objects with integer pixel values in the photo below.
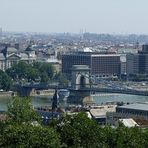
[{"x": 97, "y": 16}]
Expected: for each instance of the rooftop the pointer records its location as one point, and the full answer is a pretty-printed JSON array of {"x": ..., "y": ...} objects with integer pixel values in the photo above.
[
  {"x": 2, "y": 56},
  {"x": 11, "y": 49},
  {"x": 136, "y": 106},
  {"x": 106, "y": 55},
  {"x": 100, "y": 111},
  {"x": 80, "y": 67},
  {"x": 29, "y": 48},
  {"x": 128, "y": 122}
]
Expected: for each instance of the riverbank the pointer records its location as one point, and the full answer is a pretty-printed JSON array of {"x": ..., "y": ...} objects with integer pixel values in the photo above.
[
  {"x": 48, "y": 92},
  {"x": 7, "y": 94}
]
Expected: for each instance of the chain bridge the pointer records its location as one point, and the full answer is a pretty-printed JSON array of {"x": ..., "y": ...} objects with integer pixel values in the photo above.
[{"x": 81, "y": 87}]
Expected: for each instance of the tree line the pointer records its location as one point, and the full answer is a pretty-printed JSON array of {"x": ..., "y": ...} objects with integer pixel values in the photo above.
[
  {"x": 23, "y": 72},
  {"x": 23, "y": 128}
]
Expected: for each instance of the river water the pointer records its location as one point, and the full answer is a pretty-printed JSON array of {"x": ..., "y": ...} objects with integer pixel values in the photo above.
[
  {"x": 111, "y": 97},
  {"x": 98, "y": 99}
]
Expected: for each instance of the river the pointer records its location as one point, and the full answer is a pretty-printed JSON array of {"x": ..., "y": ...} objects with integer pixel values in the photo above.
[{"x": 98, "y": 99}]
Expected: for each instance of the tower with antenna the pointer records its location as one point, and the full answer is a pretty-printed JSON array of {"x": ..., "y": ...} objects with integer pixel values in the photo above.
[
  {"x": 81, "y": 34},
  {"x": 0, "y": 32}
]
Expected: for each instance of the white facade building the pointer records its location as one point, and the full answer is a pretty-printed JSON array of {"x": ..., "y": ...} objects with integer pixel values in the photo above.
[{"x": 10, "y": 56}]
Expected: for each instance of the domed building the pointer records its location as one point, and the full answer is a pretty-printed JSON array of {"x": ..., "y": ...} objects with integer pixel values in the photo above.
[{"x": 10, "y": 56}]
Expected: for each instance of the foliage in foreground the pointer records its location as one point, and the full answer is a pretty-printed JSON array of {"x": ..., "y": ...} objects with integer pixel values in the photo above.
[
  {"x": 75, "y": 131},
  {"x": 5, "y": 81},
  {"x": 25, "y": 135},
  {"x": 20, "y": 110},
  {"x": 79, "y": 131}
]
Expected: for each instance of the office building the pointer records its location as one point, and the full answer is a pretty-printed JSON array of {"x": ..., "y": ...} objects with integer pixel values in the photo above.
[
  {"x": 100, "y": 65},
  {"x": 138, "y": 63},
  {"x": 132, "y": 64}
]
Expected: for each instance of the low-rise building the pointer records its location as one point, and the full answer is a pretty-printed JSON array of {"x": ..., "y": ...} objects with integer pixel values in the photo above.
[
  {"x": 136, "y": 111},
  {"x": 99, "y": 112},
  {"x": 128, "y": 122}
]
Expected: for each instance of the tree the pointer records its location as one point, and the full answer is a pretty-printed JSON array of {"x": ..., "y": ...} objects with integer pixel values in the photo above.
[
  {"x": 20, "y": 110},
  {"x": 44, "y": 77},
  {"x": 129, "y": 137},
  {"x": 61, "y": 79},
  {"x": 48, "y": 68},
  {"x": 123, "y": 137},
  {"x": 109, "y": 135},
  {"x": 80, "y": 131},
  {"x": 18, "y": 71},
  {"x": 26, "y": 135},
  {"x": 45, "y": 68},
  {"x": 144, "y": 137},
  {"x": 32, "y": 74},
  {"x": 20, "y": 131},
  {"x": 5, "y": 81}
]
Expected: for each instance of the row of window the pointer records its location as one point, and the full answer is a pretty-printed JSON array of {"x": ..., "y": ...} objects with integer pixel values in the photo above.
[{"x": 132, "y": 111}]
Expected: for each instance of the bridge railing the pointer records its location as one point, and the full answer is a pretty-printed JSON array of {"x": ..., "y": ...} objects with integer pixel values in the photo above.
[{"x": 49, "y": 85}]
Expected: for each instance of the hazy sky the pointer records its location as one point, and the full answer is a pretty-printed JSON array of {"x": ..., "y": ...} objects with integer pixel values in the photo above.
[{"x": 97, "y": 16}]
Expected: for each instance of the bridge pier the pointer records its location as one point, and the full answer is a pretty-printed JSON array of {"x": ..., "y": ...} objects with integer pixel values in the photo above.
[
  {"x": 77, "y": 96},
  {"x": 80, "y": 84},
  {"x": 25, "y": 91}
]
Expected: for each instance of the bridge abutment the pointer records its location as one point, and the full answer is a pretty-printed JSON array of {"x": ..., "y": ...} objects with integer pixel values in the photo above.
[{"x": 24, "y": 91}]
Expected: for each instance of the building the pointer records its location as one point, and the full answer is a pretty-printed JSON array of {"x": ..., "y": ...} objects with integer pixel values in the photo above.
[
  {"x": 99, "y": 112},
  {"x": 100, "y": 65},
  {"x": 136, "y": 111},
  {"x": 1, "y": 32},
  {"x": 105, "y": 64},
  {"x": 128, "y": 122},
  {"x": 123, "y": 64},
  {"x": 76, "y": 58},
  {"x": 11, "y": 55},
  {"x": 137, "y": 63},
  {"x": 132, "y": 64}
]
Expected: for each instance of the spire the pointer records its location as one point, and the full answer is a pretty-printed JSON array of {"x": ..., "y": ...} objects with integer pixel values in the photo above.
[{"x": 55, "y": 101}]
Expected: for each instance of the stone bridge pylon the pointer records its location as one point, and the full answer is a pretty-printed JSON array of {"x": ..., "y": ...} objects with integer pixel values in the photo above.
[{"x": 80, "y": 85}]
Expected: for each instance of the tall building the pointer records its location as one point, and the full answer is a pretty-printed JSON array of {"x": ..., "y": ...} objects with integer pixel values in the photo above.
[
  {"x": 0, "y": 32},
  {"x": 132, "y": 64},
  {"x": 105, "y": 64},
  {"x": 77, "y": 58},
  {"x": 100, "y": 65},
  {"x": 138, "y": 63}
]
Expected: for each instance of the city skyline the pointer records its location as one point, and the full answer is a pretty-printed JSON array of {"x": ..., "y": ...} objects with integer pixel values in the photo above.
[{"x": 97, "y": 16}]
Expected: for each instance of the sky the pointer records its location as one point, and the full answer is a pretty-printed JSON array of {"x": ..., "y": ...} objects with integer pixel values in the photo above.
[{"x": 59, "y": 16}]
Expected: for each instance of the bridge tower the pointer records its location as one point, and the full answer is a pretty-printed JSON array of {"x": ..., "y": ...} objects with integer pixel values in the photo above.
[
  {"x": 80, "y": 77},
  {"x": 80, "y": 85}
]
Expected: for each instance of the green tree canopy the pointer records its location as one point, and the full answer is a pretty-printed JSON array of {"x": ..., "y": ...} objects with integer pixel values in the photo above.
[
  {"x": 19, "y": 130},
  {"x": 5, "y": 81},
  {"x": 45, "y": 68},
  {"x": 80, "y": 131},
  {"x": 21, "y": 110},
  {"x": 61, "y": 78},
  {"x": 26, "y": 135},
  {"x": 37, "y": 71}
]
